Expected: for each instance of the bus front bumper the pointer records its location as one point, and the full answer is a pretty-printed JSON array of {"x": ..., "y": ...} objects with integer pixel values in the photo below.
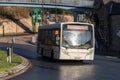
[{"x": 77, "y": 54}]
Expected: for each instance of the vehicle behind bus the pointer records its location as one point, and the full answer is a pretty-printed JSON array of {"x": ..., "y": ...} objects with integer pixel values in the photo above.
[{"x": 66, "y": 41}]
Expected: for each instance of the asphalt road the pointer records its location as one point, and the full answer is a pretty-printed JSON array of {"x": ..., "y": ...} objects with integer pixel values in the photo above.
[{"x": 101, "y": 68}]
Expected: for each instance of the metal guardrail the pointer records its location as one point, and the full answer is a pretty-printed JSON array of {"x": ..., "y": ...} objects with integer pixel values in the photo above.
[{"x": 79, "y": 3}]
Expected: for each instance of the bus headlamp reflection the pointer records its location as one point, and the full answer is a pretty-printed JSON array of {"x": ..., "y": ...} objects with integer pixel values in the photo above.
[{"x": 64, "y": 51}]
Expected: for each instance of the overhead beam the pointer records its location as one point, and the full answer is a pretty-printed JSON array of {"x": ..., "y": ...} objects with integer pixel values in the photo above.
[
  {"x": 37, "y": 5},
  {"x": 75, "y": 3}
]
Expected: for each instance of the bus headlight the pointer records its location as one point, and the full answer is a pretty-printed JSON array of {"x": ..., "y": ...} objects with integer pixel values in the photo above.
[
  {"x": 64, "y": 51},
  {"x": 91, "y": 51}
]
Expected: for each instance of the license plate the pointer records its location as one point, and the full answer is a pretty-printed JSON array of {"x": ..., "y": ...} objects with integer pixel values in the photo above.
[{"x": 77, "y": 57}]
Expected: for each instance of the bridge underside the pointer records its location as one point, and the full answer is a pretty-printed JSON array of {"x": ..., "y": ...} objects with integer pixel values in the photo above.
[
  {"x": 46, "y": 5},
  {"x": 37, "y": 5},
  {"x": 75, "y": 8},
  {"x": 76, "y": 3}
]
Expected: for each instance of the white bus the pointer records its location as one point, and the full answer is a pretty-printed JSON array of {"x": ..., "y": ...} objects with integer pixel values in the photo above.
[{"x": 66, "y": 41}]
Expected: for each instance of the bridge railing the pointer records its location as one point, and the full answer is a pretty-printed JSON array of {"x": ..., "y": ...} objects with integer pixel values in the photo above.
[{"x": 88, "y": 3}]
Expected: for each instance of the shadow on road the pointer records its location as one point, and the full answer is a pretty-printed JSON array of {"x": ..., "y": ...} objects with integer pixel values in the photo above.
[{"x": 65, "y": 62}]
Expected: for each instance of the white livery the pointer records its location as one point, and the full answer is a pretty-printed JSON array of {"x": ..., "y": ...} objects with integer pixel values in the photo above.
[{"x": 67, "y": 41}]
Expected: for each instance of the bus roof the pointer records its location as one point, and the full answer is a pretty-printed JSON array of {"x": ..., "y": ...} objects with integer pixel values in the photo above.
[
  {"x": 50, "y": 26},
  {"x": 57, "y": 25}
]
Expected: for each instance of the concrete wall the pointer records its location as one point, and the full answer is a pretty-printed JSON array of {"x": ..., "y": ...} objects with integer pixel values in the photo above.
[
  {"x": 11, "y": 27},
  {"x": 110, "y": 25},
  {"x": 115, "y": 32}
]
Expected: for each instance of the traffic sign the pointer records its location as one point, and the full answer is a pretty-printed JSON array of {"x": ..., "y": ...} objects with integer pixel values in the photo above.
[{"x": 36, "y": 15}]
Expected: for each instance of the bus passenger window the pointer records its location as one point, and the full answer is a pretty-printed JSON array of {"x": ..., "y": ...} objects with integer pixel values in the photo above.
[
  {"x": 39, "y": 35},
  {"x": 49, "y": 37},
  {"x": 46, "y": 37},
  {"x": 43, "y": 37},
  {"x": 53, "y": 37}
]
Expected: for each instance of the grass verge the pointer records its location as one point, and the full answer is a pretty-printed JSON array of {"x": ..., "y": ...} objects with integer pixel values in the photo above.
[{"x": 4, "y": 65}]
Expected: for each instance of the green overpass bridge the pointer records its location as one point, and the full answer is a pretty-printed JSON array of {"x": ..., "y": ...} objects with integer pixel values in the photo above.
[
  {"x": 38, "y": 3},
  {"x": 75, "y": 5}
]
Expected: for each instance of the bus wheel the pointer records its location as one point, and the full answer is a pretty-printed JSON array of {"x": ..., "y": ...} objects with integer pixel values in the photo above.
[
  {"x": 52, "y": 55},
  {"x": 81, "y": 61},
  {"x": 41, "y": 52}
]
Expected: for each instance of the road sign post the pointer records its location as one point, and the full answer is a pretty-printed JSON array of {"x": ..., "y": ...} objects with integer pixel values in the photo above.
[{"x": 9, "y": 55}]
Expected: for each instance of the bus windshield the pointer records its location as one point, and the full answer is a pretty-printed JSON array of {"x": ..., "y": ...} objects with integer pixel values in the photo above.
[{"x": 77, "y": 37}]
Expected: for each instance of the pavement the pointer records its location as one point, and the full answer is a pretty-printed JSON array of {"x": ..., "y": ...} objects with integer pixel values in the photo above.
[
  {"x": 17, "y": 70},
  {"x": 107, "y": 58}
]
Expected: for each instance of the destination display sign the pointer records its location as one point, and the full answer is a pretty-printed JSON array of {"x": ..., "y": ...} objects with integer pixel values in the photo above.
[{"x": 80, "y": 27}]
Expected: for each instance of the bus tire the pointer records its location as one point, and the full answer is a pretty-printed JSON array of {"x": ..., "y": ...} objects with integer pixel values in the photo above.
[
  {"x": 81, "y": 61},
  {"x": 41, "y": 52},
  {"x": 52, "y": 54}
]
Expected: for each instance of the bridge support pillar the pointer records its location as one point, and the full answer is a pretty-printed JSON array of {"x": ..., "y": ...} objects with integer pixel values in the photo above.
[{"x": 75, "y": 16}]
